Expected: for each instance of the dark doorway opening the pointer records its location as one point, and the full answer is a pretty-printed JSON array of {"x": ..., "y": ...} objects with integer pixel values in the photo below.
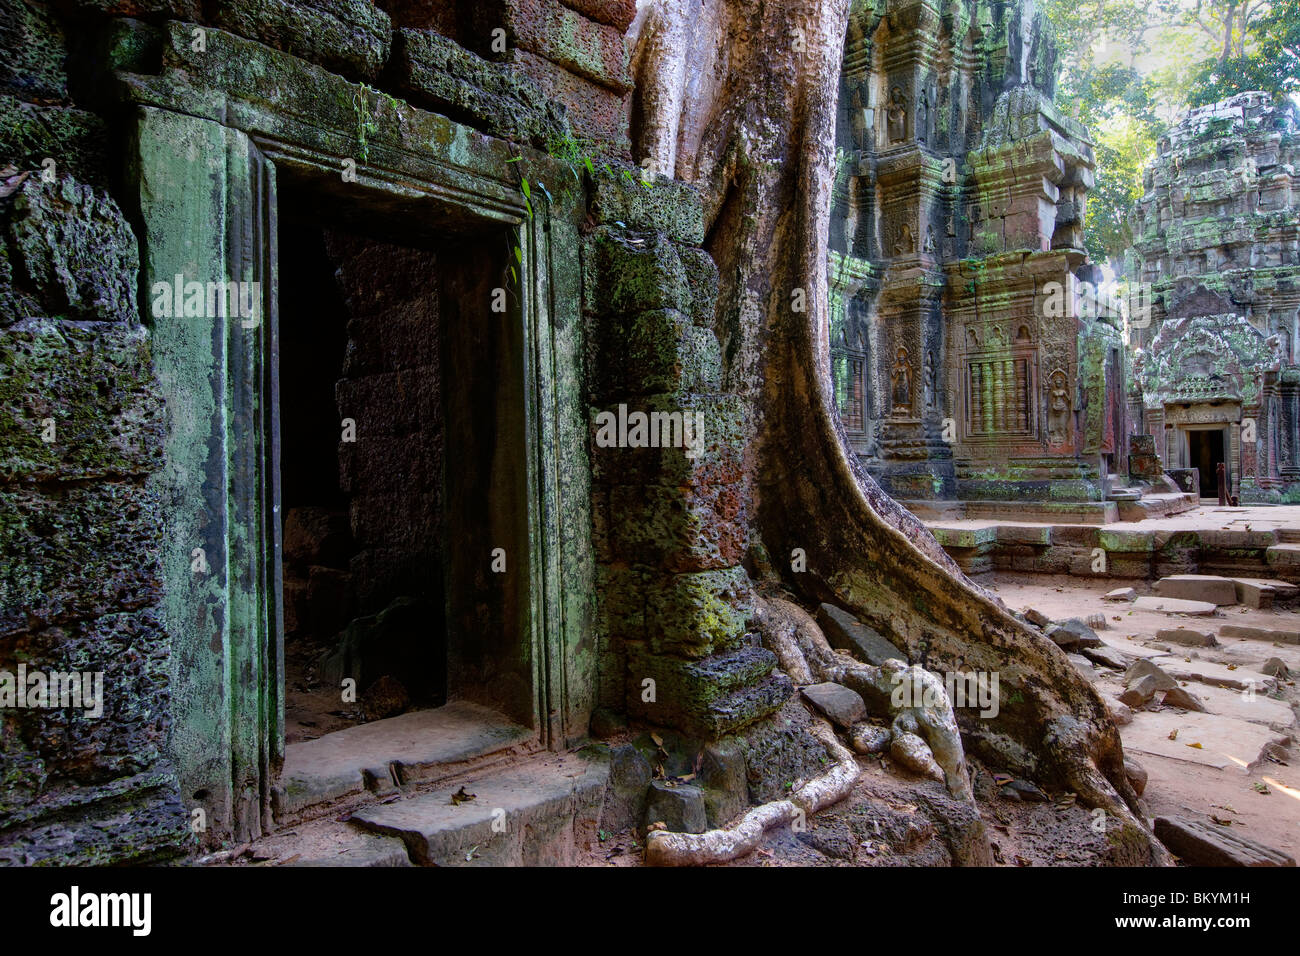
[
  {"x": 402, "y": 467},
  {"x": 1205, "y": 453}
]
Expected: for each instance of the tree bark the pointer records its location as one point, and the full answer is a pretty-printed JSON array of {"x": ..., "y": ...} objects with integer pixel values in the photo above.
[{"x": 756, "y": 135}]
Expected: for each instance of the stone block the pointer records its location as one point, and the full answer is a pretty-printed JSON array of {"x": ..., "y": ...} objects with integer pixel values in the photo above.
[
  {"x": 696, "y": 613},
  {"x": 597, "y": 51},
  {"x": 75, "y": 252},
  {"x": 1269, "y": 634},
  {"x": 625, "y": 274},
  {"x": 596, "y": 114},
  {"x": 695, "y": 528},
  {"x": 35, "y": 51},
  {"x": 432, "y": 70},
  {"x": 1201, "y": 843},
  {"x": 846, "y": 632},
  {"x": 841, "y": 706},
  {"x": 668, "y": 206},
  {"x": 707, "y": 698},
  {"x": 1198, "y": 587},
  {"x": 90, "y": 391},
  {"x": 617, "y": 13},
  {"x": 679, "y": 807},
  {"x": 656, "y": 352},
  {"x": 1186, "y": 637},
  {"x": 349, "y": 37}
]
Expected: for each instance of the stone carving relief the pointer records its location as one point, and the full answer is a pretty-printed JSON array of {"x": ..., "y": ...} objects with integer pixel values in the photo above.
[
  {"x": 900, "y": 381},
  {"x": 906, "y": 244},
  {"x": 897, "y": 124},
  {"x": 1059, "y": 407}
]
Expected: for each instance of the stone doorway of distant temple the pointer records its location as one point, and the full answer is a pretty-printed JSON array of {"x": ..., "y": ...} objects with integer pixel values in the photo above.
[
  {"x": 402, "y": 504},
  {"x": 1206, "y": 449}
]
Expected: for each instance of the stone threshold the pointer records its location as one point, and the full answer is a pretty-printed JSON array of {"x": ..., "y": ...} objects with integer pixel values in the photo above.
[{"x": 381, "y": 757}]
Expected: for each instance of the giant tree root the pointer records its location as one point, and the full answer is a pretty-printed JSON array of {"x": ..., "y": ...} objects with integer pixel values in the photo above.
[
  {"x": 924, "y": 736},
  {"x": 730, "y": 843}
]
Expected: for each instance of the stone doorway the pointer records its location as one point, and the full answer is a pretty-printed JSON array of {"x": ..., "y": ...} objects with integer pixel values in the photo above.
[
  {"x": 399, "y": 472},
  {"x": 1205, "y": 451}
]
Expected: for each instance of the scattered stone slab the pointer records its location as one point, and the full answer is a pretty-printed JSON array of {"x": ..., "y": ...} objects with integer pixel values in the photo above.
[
  {"x": 1217, "y": 675},
  {"x": 1282, "y": 590},
  {"x": 1084, "y": 667},
  {"x": 1146, "y": 668},
  {"x": 1186, "y": 636},
  {"x": 1169, "y": 605},
  {"x": 1106, "y": 656},
  {"x": 1274, "y": 667},
  {"x": 1120, "y": 594},
  {"x": 1120, "y": 712},
  {"x": 1073, "y": 633},
  {"x": 1257, "y": 708},
  {"x": 679, "y": 808},
  {"x": 846, "y": 632},
  {"x": 1202, "y": 843},
  {"x": 1198, "y": 587},
  {"x": 1026, "y": 791},
  {"x": 1037, "y": 617},
  {"x": 1225, "y": 742},
  {"x": 1184, "y": 699},
  {"x": 840, "y": 705},
  {"x": 1255, "y": 594},
  {"x": 1273, "y": 635},
  {"x": 1097, "y": 622},
  {"x": 1137, "y": 775},
  {"x": 1140, "y": 691}
]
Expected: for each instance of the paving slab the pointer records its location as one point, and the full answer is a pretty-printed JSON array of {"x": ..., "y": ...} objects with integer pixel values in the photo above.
[
  {"x": 1169, "y": 605},
  {"x": 355, "y": 847},
  {"x": 1215, "y": 674},
  {"x": 1261, "y": 633},
  {"x": 414, "y": 745},
  {"x": 1225, "y": 742},
  {"x": 1205, "y": 843},
  {"x": 535, "y": 814},
  {"x": 1198, "y": 587},
  {"x": 1256, "y": 708}
]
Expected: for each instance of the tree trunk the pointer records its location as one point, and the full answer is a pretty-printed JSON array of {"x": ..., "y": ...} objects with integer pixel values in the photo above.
[{"x": 756, "y": 135}]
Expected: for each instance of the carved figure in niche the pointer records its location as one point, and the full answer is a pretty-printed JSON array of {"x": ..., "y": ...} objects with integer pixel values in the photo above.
[
  {"x": 972, "y": 339},
  {"x": 1022, "y": 334},
  {"x": 900, "y": 378},
  {"x": 995, "y": 337},
  {"x": 897, "y": 116},
  {"x": 1274, "y": 345},
  {"x": 1058, "y": 409},
  {"x": 906, "y": 244},
  {"x": 929, "y": 239},
  {"x": 929, "y": 380},
  {"x": 922, "y": 115}
]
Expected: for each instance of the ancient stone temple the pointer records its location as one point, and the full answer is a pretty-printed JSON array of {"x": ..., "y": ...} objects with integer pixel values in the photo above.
[
  {"x": 373, "y": 427},
  {"x": 1218, "y": 252},
  {"x": 973, "y": 357}
]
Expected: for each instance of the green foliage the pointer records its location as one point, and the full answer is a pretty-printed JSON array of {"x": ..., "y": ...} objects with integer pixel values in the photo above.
[{"x": 1130, "y": 69}]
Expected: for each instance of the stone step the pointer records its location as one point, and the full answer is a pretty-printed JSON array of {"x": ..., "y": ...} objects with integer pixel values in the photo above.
[
  {"x": 1288, "y": 535},
  {"x": 540, "y": 813},
  {"x": 1198, "y": 587},
  {"x": 421, "y": 746}
]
